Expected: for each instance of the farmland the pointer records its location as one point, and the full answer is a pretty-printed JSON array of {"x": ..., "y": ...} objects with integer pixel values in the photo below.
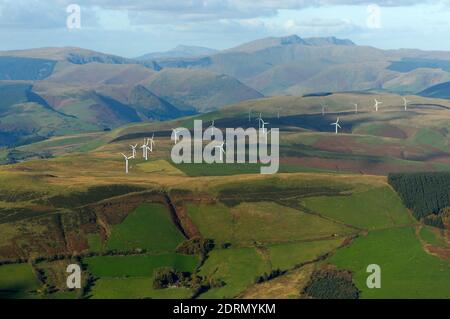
[
  {"x": 408, "y": 271},
  {"x": 234, "y": 232}
]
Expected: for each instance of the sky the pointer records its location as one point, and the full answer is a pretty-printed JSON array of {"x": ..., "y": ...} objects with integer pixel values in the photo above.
[{"x": 132, "y": 28}]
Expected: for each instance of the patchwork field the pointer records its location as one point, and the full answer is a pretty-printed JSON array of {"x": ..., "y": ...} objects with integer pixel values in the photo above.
[
  {"x": 407, "y": 270},
  {"x": 149, "y": 227},
  {"x": 234, "y": 232},
  {"x": 18, "y": 281}
]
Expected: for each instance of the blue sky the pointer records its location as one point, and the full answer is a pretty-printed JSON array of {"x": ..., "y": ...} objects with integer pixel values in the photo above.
[{"x": 131, "y": 28}]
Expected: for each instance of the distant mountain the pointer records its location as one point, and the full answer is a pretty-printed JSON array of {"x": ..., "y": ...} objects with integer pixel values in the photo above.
[
  {"x": 56, "y": 91},
  {"x": 441, "y": 91},
  {"x": 181, "y": 51},
  {"x": 65, "y": 54},
  {"x": 288, "y": 41},
  {"x": 296, "y": 66},
  {"x": 204, "y": 90}
]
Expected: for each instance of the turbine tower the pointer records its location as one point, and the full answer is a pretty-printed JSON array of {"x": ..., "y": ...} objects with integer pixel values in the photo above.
[
  {"x": 133, "y": 148},
  {"x": 336, "y": 125},
  {"x": 405, "y": 103},
  {"x": 324, "y": 106},
  {"x": 264, "y": 129},
  {"x": 377, "y": 104},
  {"x": 145, "y": 149},
  {"x": 152, "y": 142},
  {"x": 356, "y": 107},
  {"x": 126, "y": 162},
  {"x": 221, "y": 150},
  {"x": 262, "y": 124}
]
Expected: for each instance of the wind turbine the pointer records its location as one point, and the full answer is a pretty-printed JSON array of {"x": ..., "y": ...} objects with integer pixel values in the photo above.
[
  {"x": 278, "y": 114},
  {"x": 262, "y": 124},
  {"x": 377, "y": 103},
  {"x": 260, "y": 120},
  {"x": 250, "y": 115},
  {"x": 152, "y": 142},
  {"x": 176, "y": 132},
  {"x": 133, "y": 147},
  {"x": 356, "y": 107},
  {"x": 220, "y": 150},
  {"x": 405, "y": 103},
  {"x": 337, "y": 125},
  {"x": 324, "y": 106},
  {"x": 126, "y": 162},
  {"x": 145, "y": 149}
]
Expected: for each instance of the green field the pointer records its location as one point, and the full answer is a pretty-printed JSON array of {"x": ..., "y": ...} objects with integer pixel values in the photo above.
[
  {"x": 263, "y": 222},
  {"x": 372, "y": 209},
  {"x": 138, "y": 266},
  {"x": 288, "y": 256},
  {"x": 132, "y": 276},
  {"x": 134, "y": 288},
  {"x": 407, "y": 271},
  {"x": 17, "y": 281},
  {"x": 238, "y": 267},
  {"x": 148, "y": 227}
]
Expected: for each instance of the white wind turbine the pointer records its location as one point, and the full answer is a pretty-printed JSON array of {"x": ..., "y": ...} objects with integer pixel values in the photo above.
[
  {"x": 356, "y": 107},
  {"x": 250, "y": 115},
  {"x": 324, "y": 106},
  {"x": 336, "y": 125},
  {"x": 262, "y": 124},
  {"x": 126, "y": 162},
  {"x": 133, "y": 147},
  {"x": 260, "y": 121},
  {"x": 152, "y": 143},
  {"x": 221, "y": 150},
  {"x": 145, "y": 149},
  {"x": 176, "y": 132},
  {"x": 377, "y": 104},
  {"x": 405, "y": 103}
]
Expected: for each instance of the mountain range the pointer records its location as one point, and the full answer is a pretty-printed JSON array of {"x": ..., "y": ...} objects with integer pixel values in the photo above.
[{"x": 57, "y": 91}]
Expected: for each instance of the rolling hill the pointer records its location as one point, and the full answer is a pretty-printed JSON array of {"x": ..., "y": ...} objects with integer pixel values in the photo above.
[
  {"x": 293, "y": 65},
  {"x": 440, "y": 91},
  {"x": 181, "y": 51},
  {"x": 74, "y": 90},
  {"x": 238, "y": 233}
]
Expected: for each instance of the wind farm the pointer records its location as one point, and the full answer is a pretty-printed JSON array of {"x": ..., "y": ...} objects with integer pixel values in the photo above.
[{"x": 232, "y": 205}]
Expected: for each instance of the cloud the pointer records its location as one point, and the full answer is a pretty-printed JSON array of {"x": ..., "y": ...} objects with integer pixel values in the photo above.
[
  {"x": 37, "y": 14},
  {"x": 51, "y": 13}
]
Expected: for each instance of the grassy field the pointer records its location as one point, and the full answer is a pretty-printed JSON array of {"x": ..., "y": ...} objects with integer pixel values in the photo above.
[
  {"x": 134, "y": 288},
  {"x": 372, "y": 209},
  {"x": 131, "y": 277},
  {"x": 407, "y": 271},
  {"x": 288, "y": 256},
  {"x": 138, "y": 266},
  {"x": 238, "y": 267},
  {"x": 148, "y": 227},
  {"x": 263, "y": 222},
  {"x": 18, "y": 282}
]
